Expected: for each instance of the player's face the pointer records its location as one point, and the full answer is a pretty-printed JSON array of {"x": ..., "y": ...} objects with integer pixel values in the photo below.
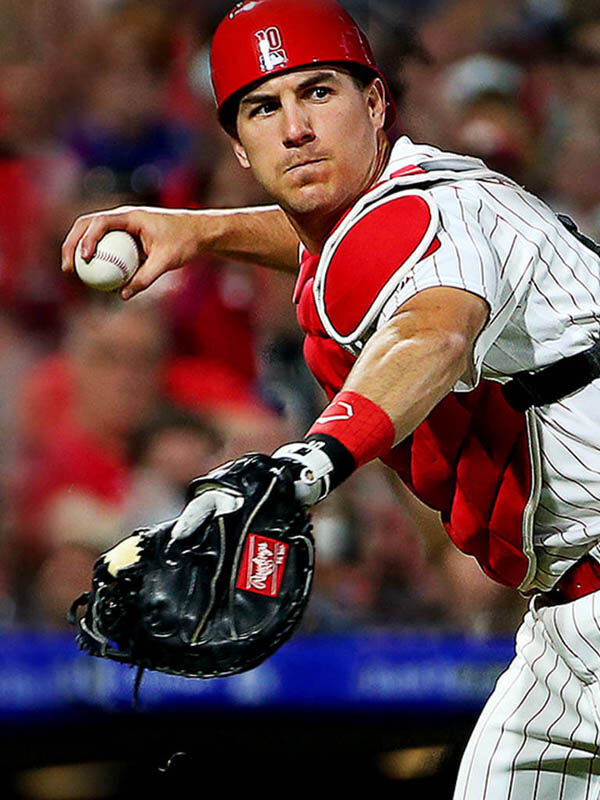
[{"x": 313, "y": 139}]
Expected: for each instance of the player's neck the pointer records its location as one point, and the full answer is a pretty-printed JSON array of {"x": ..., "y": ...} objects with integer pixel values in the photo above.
[{"x": 314, "y": 229}]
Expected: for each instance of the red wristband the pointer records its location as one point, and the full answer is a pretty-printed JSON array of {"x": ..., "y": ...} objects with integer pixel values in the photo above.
[{"x": 362, "y": 426}]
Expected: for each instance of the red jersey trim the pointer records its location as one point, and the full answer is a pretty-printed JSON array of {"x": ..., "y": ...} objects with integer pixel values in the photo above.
[{"x": 410, "y": 169}]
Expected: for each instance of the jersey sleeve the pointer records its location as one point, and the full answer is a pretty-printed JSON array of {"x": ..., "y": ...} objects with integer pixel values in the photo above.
[{"x": 464, "y": 260}]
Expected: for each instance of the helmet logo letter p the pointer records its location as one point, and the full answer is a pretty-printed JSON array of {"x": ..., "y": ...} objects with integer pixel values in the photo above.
[{"x": 270, "y": 47}]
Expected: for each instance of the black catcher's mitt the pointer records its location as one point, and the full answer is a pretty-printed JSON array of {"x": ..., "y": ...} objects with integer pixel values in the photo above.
[{"x": 219, "y": 599}]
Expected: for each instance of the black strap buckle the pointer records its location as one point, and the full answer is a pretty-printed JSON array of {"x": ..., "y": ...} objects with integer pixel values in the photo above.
[{"x": 552, "y": 383}]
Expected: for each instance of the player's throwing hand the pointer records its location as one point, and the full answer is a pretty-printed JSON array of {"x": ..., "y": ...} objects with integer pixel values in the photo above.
[{"x": 168, "y": 239}]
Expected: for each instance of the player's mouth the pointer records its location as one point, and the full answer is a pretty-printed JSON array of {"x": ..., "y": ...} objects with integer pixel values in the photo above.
[{"x": 307, "y": 163}]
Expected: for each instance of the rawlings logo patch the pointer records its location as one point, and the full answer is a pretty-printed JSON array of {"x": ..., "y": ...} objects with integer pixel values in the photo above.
[{"x": 263, "y": 563}]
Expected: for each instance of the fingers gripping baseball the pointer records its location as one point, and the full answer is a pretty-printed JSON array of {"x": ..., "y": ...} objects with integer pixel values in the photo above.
[
  {"x": 211, "y": 502},
  {"x": 90, "y": 228},
  {"x": 167, "y": 240},
  {"x": 101, "y": 225},
  {"x": 159, "y": 260}
]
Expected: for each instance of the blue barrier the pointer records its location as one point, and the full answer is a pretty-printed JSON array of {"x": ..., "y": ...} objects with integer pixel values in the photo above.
[{"x": 44, "y": 674}]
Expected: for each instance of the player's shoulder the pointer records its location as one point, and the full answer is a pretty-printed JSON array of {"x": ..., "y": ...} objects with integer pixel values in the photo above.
[
  {"x": 372, "y": 248},
  {"x": 388, "y": 223},
  {"x": 386, "y": 232},
  {"x": 425, "y": 163},
  {"x": 469, "y": 195}
]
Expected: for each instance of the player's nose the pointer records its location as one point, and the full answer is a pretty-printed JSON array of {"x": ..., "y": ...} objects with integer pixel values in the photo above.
[{"x": 297, "y": 129}]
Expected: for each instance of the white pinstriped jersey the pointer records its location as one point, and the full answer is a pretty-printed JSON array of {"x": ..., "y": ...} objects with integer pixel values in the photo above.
[
  {"x": 543, "y": 288},
  {"x": 538, "y": 737}
]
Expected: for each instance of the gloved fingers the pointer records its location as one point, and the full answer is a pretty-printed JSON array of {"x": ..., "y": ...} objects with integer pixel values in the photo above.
[{"x": 211, "y": 502}]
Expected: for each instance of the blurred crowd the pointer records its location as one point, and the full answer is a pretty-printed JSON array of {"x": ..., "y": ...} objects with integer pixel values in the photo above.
[{"x": 108, "y": 409}]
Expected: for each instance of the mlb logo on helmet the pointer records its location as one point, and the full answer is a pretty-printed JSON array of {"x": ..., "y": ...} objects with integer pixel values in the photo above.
[{"x": 270, "y": 47}]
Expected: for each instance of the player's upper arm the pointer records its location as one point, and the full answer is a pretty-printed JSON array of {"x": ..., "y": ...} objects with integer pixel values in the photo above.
[
  {"x": 400, "y": 246},
  {"x": 465, "y": 260},
  {"x": 457, "y": 315}
]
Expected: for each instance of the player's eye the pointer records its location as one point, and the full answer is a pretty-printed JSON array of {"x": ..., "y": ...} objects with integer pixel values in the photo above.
[
  {"x": 263, "y": 109},
  {"x": 320, "y": 92}
]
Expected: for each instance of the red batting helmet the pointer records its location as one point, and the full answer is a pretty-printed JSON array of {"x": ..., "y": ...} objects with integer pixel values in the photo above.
[{"x": 260, "y": 38}]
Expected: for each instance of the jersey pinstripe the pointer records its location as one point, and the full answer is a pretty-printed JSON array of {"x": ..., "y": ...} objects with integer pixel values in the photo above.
[
  {"x": 543, "y": 288},
  {"x": 539, "y": 734}
]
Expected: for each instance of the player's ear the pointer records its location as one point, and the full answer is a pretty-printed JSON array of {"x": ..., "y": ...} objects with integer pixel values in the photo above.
[
  {"x": 240, "y": 153},
  {"x": 376, "y": 101}
]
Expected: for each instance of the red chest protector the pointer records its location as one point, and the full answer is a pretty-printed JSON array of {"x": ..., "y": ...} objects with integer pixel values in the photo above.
[{"x": 469, "y": 459}]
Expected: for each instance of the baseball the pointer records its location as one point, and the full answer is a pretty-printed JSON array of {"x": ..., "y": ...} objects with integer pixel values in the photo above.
[{"x": 113, "y": 264}]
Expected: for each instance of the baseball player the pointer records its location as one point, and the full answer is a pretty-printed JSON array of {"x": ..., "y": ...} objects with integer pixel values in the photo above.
[{"x": 453, "y": 320}]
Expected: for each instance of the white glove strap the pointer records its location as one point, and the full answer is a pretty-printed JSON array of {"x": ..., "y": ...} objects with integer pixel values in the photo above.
[{"x": 316, "y": 467}]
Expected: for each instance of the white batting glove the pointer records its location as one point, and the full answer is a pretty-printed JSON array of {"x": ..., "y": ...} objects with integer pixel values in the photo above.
[{"x": 210, "y": 502}]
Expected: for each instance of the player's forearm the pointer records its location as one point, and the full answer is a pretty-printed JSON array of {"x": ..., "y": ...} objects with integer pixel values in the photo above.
[
  {"x": 400, "y": 376},
  {"x": 410, "y": 364},
  {"x": 260, "y": 235},
  {"x": 406, "y": 371}
]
